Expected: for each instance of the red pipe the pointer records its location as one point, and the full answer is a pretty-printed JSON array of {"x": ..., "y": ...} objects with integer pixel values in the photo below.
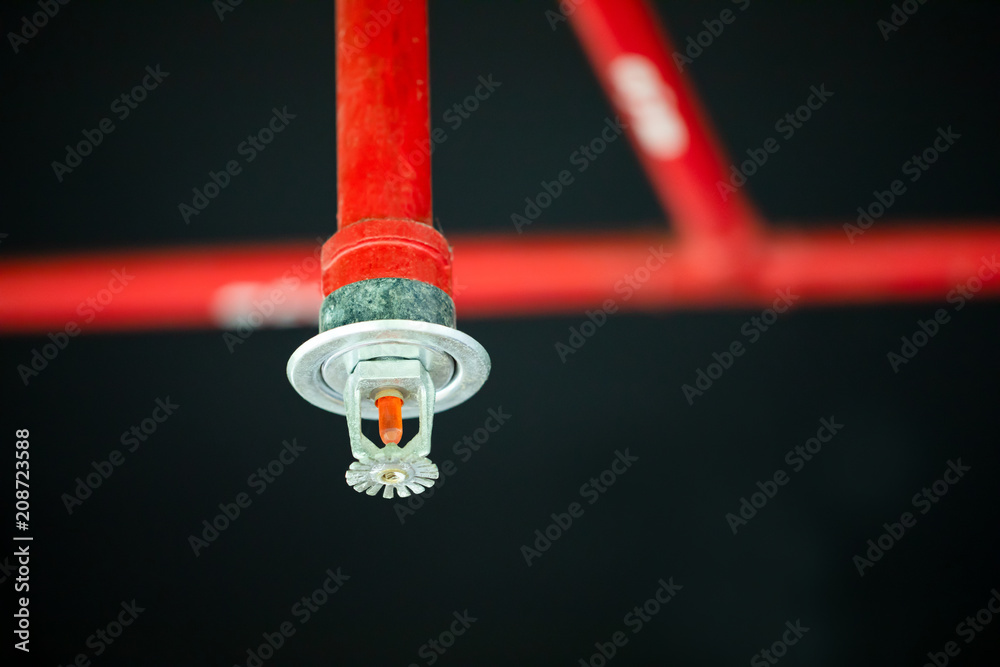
[
  {"x": 631, "y": 54},
  {"x": 383, "y": 149},
  {"x": 503, "y": 276},
  {"x": 383, "y": 111},
  {"x": 496, "y": 276}
]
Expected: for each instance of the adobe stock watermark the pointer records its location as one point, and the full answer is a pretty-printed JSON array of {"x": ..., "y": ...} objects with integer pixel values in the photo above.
[
  {"x": 7, "y": 568},
  {"x": 223, "y": 7},
  {"x": 455, "y": 116},
  {"x": 88, "y": 310},
  {"x": 914, "y": 168},
  {"x": 566, "y": 9},
  {"x": 968, "y": 629},
  {"x": 635, "y": 620},
  {"x": 105, "y": 636},
  {"x": 22, "y": 617},
  {"x": 752, "y": 329},
  {"x": 629, "y": 284},
  {"x": 459, "y": 112},
  {"x": 923, "y": 500},
  {"x": 302, "y": 611},
  {"x": 432, "y": 651},
  {"x": 592, "y": 491},
  {"x": 122, "y": 107},
  {"x": 927, "y": 329},
  {"x": 131, "y": 441},
  {"x": 695, "y": 45},
  {"x": 32, "y": 23},
  {"x": 797, "y": 458},
  {"x": 259, "y": 482},
  {"x": 786, "y": 126},
  {"x": 464, "y": 449},
  {"x": 248, "y": 149},
  {"x": 898, "y": 17},
  {"x": 362, "y": 36},
  {"x": 581, "y": 158},
  {"x": 790, "y": 637}
]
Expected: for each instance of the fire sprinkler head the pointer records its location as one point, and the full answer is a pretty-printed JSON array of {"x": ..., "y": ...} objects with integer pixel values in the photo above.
[{"x": 389, "y": 370}]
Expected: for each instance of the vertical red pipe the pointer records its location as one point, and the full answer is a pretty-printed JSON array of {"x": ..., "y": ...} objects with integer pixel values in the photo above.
[
  {"x": 631, "y": 54},
  {"x": 383, "y": 149},
  {"x": 383, "y": 111}
]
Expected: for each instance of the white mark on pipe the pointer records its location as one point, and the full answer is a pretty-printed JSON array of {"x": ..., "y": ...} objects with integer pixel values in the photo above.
[{"x": 651, "y": 105}]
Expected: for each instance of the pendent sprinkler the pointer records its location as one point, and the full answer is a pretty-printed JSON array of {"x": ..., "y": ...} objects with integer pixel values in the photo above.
[{"x": 388, "y": 348}]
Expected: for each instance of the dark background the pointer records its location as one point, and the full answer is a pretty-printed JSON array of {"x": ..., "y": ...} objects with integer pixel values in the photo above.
[{"x": 665, "y": 516}]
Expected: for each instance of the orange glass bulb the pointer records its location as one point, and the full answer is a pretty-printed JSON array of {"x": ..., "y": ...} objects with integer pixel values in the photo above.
[{"x": 390, "y": 419}]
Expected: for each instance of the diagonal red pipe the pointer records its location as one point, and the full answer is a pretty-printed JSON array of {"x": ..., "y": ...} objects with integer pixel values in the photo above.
[{"x": 631, "y": 55}]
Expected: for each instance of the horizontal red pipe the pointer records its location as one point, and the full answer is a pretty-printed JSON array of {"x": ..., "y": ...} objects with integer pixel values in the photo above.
[
  {"x": 632, "y": 56},
  {"x": 495, "y": 276},
  {"x": 568, "y": 274},
  {"x": 172, "y": 288}
]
